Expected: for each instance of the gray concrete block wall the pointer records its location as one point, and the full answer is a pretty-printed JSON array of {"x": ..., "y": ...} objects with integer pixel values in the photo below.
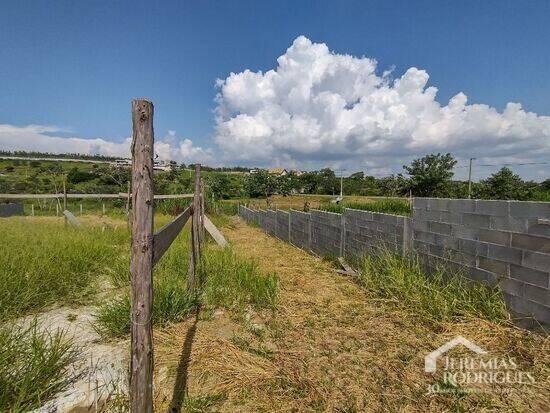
[
  {"x": 370, "y": 231},
  {"x": 505, "y": 243},
  {"x": 496, "y": 242},
  {"x": 282, "y": 228},
  {"x": 326, "y": 232},
  {"x": 11, "y": 209},
  {"x": 299, "y": 229}
]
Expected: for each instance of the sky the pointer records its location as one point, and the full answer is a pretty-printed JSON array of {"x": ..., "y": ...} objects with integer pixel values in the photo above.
[{"x": 359, "y": 85}]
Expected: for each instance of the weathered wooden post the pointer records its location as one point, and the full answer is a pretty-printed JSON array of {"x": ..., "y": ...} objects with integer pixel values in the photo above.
[
  {"x": 80, "y": 209},
  {"x": 195, "y": 230},
  {"x": 141, "y": 263},
  {"x": 202, "y": 233},
  {"x": 65, "y": 197},
  {"x": 32, "y": 210},
  {"x": 103, "y": 207}
]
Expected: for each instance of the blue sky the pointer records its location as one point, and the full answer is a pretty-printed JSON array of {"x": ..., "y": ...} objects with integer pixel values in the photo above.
[{"x": 76, "y": 65}]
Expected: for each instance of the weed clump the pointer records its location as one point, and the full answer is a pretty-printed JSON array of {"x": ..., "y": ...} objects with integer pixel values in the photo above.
[
  {"x": 33, "y": 366},
  {"x": 440, "y": 296}
]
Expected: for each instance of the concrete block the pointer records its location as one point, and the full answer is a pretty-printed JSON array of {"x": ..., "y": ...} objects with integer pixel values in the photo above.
[
  {"x": 536, "y": 261},
  {"x": 542, "y": 230},
  {"x": 439, "y": 227},
  {"x": 476, "y": 220},
  {"x": 420, "y": 203},
  {"x": 524, "y": 306},
  {"x": 462, "y": 232},
  {"x": 531, "y": 242},
  {"x": 451, "y": 217},
  {"x": 511, "y": 286},
  {"x": 530, "y": 276},
  {"x": 508, "y": 224},
  {"x": 447, "y": 241},
  {"x": 460, "y": 206},
  {"x": 494, "y": 237},
  {"x": 493, "y": 208},
  {"x": 537, "y": 294},
  {"x": 427, "y": 237},
  {"x": 506, "y": 254},
  {"x": 438, "y": 204},
  {"x": 484, "y": 276},
  {"x": 530, "y": 209},
  {"x": 473, "y": 247},
  {"x": 495, "y": 266}
]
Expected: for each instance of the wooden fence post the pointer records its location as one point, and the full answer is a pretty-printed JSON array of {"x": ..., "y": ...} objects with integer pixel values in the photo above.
[
  {"x": 202, "y": 232},
  {"x": 103, "y": 207},
  {"x": 141, "y": 263},
  {"x": 195, "y": 231},
  {"x": 65, "y": 197},
  {"x": 32, "y": 210},
  {"x": 81, "y": 209}
]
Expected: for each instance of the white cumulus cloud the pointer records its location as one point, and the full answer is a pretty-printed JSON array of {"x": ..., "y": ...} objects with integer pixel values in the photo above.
[
  {"x": 43, "y": 139},
  {"x": 317, "y": 107}
]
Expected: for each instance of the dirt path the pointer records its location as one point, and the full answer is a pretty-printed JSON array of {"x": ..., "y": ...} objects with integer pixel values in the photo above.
[{"x": 327, "y": 347}]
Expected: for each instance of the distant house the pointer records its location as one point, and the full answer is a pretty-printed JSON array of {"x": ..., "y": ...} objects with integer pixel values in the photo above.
[
  {"x": 278, "y": 171},
  {"x": 162, "y": 166},
  {"x": 122, "y": 163}
]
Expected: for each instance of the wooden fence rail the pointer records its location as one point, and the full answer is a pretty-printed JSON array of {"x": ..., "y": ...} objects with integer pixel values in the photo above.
[
  {"x": 122, "y": 195},
  {"x": 164, "y": 237}
]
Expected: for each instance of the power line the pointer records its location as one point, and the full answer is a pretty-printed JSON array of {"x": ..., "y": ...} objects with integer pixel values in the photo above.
[{"x": 507, "y": 164}]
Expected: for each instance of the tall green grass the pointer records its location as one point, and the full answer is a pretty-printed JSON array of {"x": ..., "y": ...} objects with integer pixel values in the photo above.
[
  {"x": 33, "y": 366},
  {"x": 440, "y": 296},
  {"x": 234, "y": 283},
  {"x": 386, "y": 206},
  {"x": 45, "y": 262},
  {"x": 225, "y": 280}
]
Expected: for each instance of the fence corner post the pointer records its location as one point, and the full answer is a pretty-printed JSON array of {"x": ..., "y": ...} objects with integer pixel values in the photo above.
[{"x": 141, "y": 262}]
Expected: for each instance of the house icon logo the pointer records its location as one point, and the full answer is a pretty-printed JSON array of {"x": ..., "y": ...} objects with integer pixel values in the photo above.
[{"x": 430, "y": 361}]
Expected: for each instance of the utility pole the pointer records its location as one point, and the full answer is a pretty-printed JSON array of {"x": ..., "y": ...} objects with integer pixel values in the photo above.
[
  {"x": 470, "y": 180},
  {"x": 341, "y": 172}
]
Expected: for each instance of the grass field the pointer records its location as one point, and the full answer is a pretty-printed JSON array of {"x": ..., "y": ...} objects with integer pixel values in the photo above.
[
  {"x": 321, "y": 202},
  {"x": 269, "y": 326}
]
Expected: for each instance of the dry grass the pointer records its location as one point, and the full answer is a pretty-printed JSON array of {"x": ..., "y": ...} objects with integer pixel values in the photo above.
[{"x": 332, "y": 348}]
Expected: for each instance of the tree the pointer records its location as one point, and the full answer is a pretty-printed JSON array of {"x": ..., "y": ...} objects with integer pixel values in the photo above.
[
  {"x": 431, "y": 175},
  {"x": 261, "y": 183},
  {"x": 76, "y": 176},
  {"x": 504, "y": 184},
  {"x": 219, "y": 185}
]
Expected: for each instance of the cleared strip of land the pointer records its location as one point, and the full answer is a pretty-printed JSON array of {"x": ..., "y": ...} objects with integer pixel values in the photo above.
[{"x": 328, "y": 346}]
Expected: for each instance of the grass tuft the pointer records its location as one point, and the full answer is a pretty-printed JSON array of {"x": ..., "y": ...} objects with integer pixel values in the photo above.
[
  {"x": 440, "y": 296},
  {"x": 234, "y": 283},
  {"x": 33, "y": 366}
]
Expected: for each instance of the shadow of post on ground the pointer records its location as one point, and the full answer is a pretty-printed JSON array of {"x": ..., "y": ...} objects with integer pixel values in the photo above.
[{"x": 180, "y": 385}]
